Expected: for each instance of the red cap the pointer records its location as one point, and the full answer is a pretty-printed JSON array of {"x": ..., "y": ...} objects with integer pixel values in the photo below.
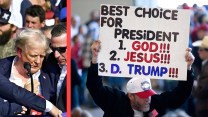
[{"x": 146, "y": 93}]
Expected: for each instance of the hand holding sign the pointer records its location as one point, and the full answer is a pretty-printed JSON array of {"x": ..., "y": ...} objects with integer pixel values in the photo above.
[
  {"x": 95, "y": 50},
  {"x": 189, "y": 58}
]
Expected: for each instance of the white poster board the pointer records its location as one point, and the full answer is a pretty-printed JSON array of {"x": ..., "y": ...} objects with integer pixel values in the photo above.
[{"x": 143, "y": 42}]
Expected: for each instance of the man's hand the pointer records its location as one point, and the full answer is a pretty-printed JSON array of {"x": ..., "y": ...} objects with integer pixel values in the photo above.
[
  {"x": 36, "y": 85},
  {"x": 23, "y": 112},
  {"x": 95, "y": 50},
  {"x": 189, "y": 58},
  {"x": 55, "y": 112}
]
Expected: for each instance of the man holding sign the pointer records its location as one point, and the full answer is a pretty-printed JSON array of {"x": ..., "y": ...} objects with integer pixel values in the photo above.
[{"x": 140, "y": 99}]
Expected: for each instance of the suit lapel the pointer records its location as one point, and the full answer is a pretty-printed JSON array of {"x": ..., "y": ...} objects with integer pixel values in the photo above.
[{"x": 43, "y": 84}]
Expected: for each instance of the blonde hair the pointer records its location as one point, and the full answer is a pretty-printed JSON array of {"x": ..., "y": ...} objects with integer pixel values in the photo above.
[{"x": 28, "y": 37}]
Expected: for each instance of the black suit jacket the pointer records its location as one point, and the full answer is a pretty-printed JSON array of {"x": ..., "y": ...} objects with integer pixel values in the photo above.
[
  {"x": 46, "y": 84},
  {"x": 51, "y": 66},
  {"x": 116, "y": 103}
]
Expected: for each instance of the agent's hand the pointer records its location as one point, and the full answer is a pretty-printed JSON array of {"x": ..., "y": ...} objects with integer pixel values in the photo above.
[
  {"x": 36, "y": 85},
  {"x": 189, "y": 58},
  {"x": 95, "y": 50},
  {"x": 23, "y": 112},
  {"x": 55, "y": 112}
]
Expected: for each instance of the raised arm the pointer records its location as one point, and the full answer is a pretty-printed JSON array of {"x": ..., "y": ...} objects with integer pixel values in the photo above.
[
  {"x": 175, "y": 98},
  {"x": 105, "y": 97}
]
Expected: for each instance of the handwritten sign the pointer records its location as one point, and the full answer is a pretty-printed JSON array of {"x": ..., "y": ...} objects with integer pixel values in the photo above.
[{"x": 143, "y": 42}]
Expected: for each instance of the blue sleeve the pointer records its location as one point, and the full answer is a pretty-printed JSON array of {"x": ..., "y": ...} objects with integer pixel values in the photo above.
[
  {"x": 7, "y": 108},
  {"x": 19, "y": 95}
]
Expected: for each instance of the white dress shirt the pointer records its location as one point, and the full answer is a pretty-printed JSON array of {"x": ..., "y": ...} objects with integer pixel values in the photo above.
[
  {"x": 61, "y": 79},
  {"x": 137, "y": 113},
  {"x": 19, "y": 82}
]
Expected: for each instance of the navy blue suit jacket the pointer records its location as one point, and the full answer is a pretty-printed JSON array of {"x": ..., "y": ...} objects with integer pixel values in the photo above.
[
  {"x": 51, "y": 66},
  {"x": 46, "y": 84}
]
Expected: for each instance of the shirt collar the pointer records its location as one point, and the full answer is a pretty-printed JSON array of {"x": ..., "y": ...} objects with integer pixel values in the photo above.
[
  {"x": 13, "y": 62},
  {"x": 138, "y": 113},
  {"x": 62, "y": 66}
]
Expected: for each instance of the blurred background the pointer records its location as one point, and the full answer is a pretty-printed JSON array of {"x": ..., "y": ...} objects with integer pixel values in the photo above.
[{"x": 85, "y": 29}]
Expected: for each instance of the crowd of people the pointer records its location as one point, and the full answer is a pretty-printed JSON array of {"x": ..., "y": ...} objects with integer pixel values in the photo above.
[
  {"x": 33, "y": 64},
  {"x": 192, "y": 102}
]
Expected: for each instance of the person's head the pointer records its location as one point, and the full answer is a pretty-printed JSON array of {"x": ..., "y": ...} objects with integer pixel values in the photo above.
[
  {"x": 35, "y": 17},
  {"x": 78, "y": 112},
  {"x": 202, "y": 30},
  {"x": 75, "y": 39},
  {"x": 140, "y": 92},
  {"x": 58, "y": 43},
  {"x": 47, "y": 31},
  {"x": 83, "y": 30},
  {"x": 31, "y": 46},
  {"x": 6, "y": 29},
  {"x": 94, "y": 15},
  {"x": 5, "y": 4},
  {"x": 75, "y": 21},
  {"x": 205, "y": 19},
  {"x": 203, "y": 48},
  {"x": 45, "y": 4}
]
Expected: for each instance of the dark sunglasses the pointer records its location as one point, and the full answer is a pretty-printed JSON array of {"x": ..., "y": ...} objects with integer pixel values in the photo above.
[{"x": 59, "y": 49}]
